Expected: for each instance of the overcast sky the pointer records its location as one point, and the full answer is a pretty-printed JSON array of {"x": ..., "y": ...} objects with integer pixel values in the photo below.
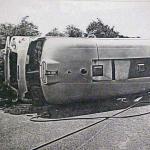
[{"x": 129, "y": 18}]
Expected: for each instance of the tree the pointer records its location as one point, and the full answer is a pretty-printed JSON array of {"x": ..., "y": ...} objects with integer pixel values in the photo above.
[
  {"x": 72, "y": 31},
  {"x": 26, "y": 28},
  {"x": 6, "y": 29},
  {"x": 100, "y": 30},
  {"x": 55, "y": 32},
  {"x": 2, "y": 42}
]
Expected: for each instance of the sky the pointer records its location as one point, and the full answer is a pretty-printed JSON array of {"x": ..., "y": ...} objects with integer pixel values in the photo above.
[{"x": 130, "y": 17}]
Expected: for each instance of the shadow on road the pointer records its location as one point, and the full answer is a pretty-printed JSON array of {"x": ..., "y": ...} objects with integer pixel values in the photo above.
[
  {"x": 85, "y": 108},
  {"x": 78, "y": 109}
]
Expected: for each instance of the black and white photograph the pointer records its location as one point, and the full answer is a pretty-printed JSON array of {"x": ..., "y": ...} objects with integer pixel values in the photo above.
[{"x": 75, "y": 74}]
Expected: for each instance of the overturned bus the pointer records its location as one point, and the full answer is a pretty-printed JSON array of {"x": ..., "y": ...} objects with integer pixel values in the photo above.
[{"x": 65, "y": 70}]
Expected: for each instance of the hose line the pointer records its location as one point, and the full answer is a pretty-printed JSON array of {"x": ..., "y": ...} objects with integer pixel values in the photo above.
[{"x": 88, "y": 126}]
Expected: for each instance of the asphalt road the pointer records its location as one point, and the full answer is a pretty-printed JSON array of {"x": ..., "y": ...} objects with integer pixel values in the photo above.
[{"x": 19, "y": 133}]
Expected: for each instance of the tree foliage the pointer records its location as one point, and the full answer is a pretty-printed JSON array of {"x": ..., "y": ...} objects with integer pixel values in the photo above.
[
  {"x": 2, "y": 42},
  {"x": 100, "y": 30},
  {"x": 55, "y": 32},
  {"x": 72, "y": 31},
  {"x": 24, "y": 28},
  {"x": 7, "y": 29}
]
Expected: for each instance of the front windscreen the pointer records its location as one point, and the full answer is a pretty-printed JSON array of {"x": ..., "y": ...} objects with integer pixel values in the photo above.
[
  {"x": 34, "y": 53},
  {"x": 33, "y": 70}
]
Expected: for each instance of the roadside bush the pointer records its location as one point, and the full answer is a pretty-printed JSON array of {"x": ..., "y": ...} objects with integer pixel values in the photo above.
[{"x": 7, "y": 94}]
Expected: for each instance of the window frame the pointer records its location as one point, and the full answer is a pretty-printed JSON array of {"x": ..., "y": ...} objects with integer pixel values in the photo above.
[
  {"x": 101, "y": 72},
  {"x": 141, "y": 67}
]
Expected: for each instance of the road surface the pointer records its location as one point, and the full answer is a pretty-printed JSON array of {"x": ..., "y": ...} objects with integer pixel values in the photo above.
[{"x": 18, "y": 132}]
